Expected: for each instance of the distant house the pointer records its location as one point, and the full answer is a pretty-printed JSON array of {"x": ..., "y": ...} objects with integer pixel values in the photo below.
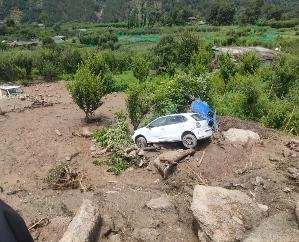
[
  {"x": 266, "y": 55},
  {"x": 59, "y": 39}
]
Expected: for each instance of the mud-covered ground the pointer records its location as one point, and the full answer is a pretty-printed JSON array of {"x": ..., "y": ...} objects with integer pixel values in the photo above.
[{"x": 30, "y": 146}]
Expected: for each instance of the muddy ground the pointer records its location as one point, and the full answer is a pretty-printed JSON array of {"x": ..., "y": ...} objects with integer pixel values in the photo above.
[{"x": 30, "y": 146}]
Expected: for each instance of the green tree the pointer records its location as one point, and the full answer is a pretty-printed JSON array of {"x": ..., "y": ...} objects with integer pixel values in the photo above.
[
  {"x": 249, "y": 63},
  {"x": 140, "y": 67},
  {"x": 137, "y": 104},
  {"x": 87, "y": 90},
  {"x": 222, "y": 12},
  {"x": 227, "y": 67}
]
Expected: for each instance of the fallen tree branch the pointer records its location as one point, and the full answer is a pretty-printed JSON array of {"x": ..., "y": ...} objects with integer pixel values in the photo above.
[
  {"x": 39, "y": 224},
  {"x": 201, "y": 159}
]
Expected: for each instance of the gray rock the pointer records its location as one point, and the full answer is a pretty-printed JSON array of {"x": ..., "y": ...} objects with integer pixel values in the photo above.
[
  {"x": 263, "y": 207},
  {"x": 240, "y": 135},
  {"x": 224, "y": 215},
  {"x": 163, "y": 203},
  {"x": 277, "y": 228},
  {"x": 85, "y": 226}
]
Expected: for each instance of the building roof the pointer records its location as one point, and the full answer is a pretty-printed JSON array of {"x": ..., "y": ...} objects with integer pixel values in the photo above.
[{"x": 266, "y": 54}]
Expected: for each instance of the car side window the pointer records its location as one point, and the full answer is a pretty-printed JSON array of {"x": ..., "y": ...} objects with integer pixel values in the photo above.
[
  {"x": 157, "y": 123},
  {"x": 176, "y": 120}
]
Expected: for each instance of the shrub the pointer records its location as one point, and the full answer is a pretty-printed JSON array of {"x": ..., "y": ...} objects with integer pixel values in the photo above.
[
  {"x": 166, "y": 54},
  {"x": 87, "y": 90},
  {"x": 24, "y": 61},
  {"x": 137, "y": 104},
  {"x": 117, "y": 137},
  {"x": 227, "y": 67},
  {"x": 70, "y": 60},
  {"x": 201, "y": 62},
  {"x": 140, "y": 67},
  {"x": 188, "y": 44},
  {"x": 48, "y": 64},
  {"x": 119, "y": 163},
  {"x": 249, "y": 63}
]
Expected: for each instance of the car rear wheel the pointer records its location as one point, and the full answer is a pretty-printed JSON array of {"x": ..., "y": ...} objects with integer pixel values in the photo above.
[
  {"x": 141, "y": 142},
  {"x": 189, "y": 140}
]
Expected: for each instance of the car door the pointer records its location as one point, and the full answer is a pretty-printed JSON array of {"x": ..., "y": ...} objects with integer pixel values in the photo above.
[
  {"x": 155, "y": 130},
  {"x": 174, "y": 127}
]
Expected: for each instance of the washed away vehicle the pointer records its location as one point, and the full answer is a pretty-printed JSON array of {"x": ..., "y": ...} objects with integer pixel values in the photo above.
[
  {"x": 10, "y": 91},
  {"x": 187, "y": 128}
]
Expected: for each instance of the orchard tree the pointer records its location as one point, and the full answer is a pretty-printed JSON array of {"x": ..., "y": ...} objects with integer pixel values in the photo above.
[
  {"x": 87, "y": 90},
  {"x": 137, "y": 104},
  {"x": 141, "y": 68}
]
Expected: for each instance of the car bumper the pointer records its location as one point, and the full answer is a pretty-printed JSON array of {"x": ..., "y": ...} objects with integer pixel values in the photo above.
[{"x": 203, "y": 134}]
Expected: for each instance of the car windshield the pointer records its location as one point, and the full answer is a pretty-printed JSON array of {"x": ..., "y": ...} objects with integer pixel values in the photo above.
[{"x": 197, "y": 117}]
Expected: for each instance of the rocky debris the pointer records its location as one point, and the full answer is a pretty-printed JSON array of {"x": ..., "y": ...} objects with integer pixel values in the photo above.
[
  {"x": 287, "y": 190},
  {"x": 72, "y": 156},
  {"x": 146, "y": 234},
  {"x": 240, "y": 135},
  {"x": 224, "y": 215},
  {"x": 98, "y": 153},
  {"x": 161, "y": 203},
  {"x": 277, "y": 228},
  {"x": 85, "y": 132},
  {"x": 58, "y": 132},
  {"x": 263, "y": 207},
  {"x": 93, "y": 148},
  {"x": 293, "y": 173},
  {"x": 85, "y": 226},
  {"x": 166, "y": 162},
  {"x": 293, "y": 145}
]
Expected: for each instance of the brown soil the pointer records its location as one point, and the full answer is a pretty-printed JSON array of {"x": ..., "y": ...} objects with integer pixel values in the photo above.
[{"x": 30, "y": 146}]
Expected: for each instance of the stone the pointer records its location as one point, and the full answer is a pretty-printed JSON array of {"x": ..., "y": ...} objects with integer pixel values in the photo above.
[
  {"x": 287, "y": 190},
  {"x": 161, "y": 203},
  {"x": 85, "y": 226},
  {"x": 263, "y": 207},
  {"x": 222, "y": 214},
  {"x": 240, "y": 135},
  {"x": 277, "y": 228},
  {"x": 58, "y": 132},
  {"x": 93, "y": 148},
  {"x": 86, "y": 132}
]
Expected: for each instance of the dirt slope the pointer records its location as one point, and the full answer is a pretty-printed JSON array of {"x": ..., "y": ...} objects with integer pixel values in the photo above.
[{"x": 30, "y": 146}]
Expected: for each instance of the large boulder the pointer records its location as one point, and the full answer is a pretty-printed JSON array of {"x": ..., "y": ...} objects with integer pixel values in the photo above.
[
  {"x": 85, "y": 226},
  {"x": 224, "y": 215},
  {"x": 240, "y": 135}
]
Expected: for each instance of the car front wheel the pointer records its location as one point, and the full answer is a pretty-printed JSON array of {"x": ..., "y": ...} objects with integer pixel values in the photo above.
[
  {"x": 189, "y": 140},
  {"x": 141, "y": 142}
]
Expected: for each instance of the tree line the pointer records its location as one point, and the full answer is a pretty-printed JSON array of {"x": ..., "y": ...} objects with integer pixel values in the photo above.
[{"x": 148, "y": 13}]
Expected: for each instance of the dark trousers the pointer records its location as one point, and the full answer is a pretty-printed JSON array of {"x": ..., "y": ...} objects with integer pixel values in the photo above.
[{"x": 12, "y": 226}]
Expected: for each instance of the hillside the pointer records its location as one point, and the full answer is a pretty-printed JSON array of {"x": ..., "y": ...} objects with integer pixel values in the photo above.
[{"x": 120, "y": 10}]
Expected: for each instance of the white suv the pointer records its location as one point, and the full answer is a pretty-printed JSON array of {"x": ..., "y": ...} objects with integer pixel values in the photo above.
[{"x": 185, "y": 127}]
